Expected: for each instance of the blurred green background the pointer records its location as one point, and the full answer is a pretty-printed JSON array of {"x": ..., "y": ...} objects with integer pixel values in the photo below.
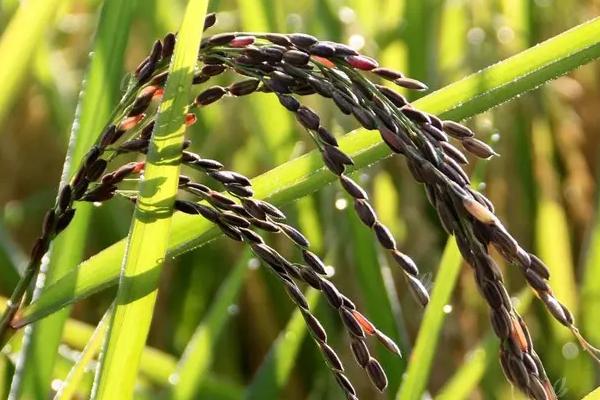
[{"x": 543, "y": 186}]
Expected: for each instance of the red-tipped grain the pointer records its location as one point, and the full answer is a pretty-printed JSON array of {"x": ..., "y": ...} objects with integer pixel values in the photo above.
[
  {"x": 190, "y": 119},
  {"x": 367, "y": 326},
  {"x": 158, "y": 94},
  {"x": 148, "y": 91},
  {"x": 323, "y": 61},
  {"x": 351, "y": 324},
  {"x": 130, "y": 122},
  {"x": 361, "y": 62},
  {"x": 242, "y": 41},
  {"x": 518, "y": 336},
  {"x": 142, "y": 100},
  {"x": 138, "y": 167}
]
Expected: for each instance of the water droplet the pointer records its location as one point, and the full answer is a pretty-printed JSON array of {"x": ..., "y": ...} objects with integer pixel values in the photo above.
[
  {"x": 570, "y": 350},
  {"x": 486, "y": 123},
  {"x": 356, "y": 41},
  {"x": 56, "y": 384},
  {"x": 253, "y": 263},
  {"x": 329, "y": 270},
  {"x": 495, "y": 137},
  {"x": 476, "y": 36},
  {"x": 294, "y": 21},
  {"x": 233, "y": 309},
  {"x": 341, "y": 204},
  {"x": 40, "y": 281},
  {"x": 447, "y": 309},
  {"x": 516, "y": 301},
  {"x": 173, "y": 379},
  {"x": 97, "y": 203},
  {"x": 482, "y": 186},
  {"x": 160, "y": 260},
  {"x": 346, "y": 15},
  {"x": 505, "y": 34},
  {"x": 289, "y": 335},
  {"x": 426, "y": 396}
]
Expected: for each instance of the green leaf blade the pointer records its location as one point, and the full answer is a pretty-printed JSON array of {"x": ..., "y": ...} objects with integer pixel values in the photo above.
[
  {"x": 199, "y": 353},
  {"x": 147, "y": 243},
  {"x": 18, "y": 44},
  {"x": 277, "y": 365},
  {"x": 423, "y": 353}
]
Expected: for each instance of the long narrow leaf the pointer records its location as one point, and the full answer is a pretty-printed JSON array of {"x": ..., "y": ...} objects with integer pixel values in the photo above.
[
  {"x": 12, "y": 260},
  {"x": 199, "y": 353},
  {"x": 92, "y": 348},
  {"x": 466, "y": 379},
  {"x": 147, "y": 241},
  {"x": 590, "y": 301},
  {"x": 277, "y": 366},
  {"x": 476, "y": 93},
  {"x": 155, "y": 365},
  {"x": 424, "y": 351},
  {"x": 595, "y": 395},
  {"x": 18, "y": 44}
]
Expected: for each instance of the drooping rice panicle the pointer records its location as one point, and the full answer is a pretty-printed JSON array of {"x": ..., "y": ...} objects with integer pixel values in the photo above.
[{"x": 291, "y": 66}]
